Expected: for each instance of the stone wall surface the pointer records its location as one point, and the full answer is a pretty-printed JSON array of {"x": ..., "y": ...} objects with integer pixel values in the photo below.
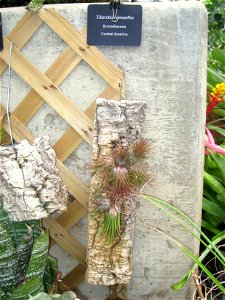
[{"x": 168, "y": 71}]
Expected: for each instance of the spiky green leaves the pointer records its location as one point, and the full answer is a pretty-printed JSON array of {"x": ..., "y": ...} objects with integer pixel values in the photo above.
[
  {"x": 110, "y": 228},
  {"x": 23, "y": 258}
]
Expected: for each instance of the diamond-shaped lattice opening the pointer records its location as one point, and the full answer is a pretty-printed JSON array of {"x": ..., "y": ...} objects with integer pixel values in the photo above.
[
  {"x": 48, "y": 122},
  {"x": 18, "y": 88},
  {"x": 46, "y": 45},
  {"x": 79, "y": 231},
  {"x": 79, "y": 162},
  {"x": 67, "y": 263},
  {"x": 83, "y": 94}
]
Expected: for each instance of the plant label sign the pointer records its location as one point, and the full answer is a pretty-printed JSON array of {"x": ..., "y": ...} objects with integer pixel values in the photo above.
[
  {"x": 122, "y": 29},
  {"x": 1, "y": 38}
]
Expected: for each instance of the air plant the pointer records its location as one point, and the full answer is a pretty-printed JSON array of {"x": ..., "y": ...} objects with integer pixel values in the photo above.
[{"x": 121, "y": 175}]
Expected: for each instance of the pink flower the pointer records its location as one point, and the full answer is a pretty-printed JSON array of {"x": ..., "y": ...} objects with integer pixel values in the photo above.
[{"x": 210, "y": 143}]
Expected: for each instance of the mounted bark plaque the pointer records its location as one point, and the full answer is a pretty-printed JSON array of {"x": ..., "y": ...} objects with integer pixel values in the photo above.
[
  {"x": 117, "y": 173},
  {"x": 30, "y": 187}
]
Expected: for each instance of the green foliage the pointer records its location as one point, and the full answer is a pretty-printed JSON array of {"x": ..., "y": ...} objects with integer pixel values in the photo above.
[
  {"x": 111, "y": 226},
  {"x": 216, "y": 17},
  {"x": 65, "y": 296},
  {"x": 24, "y": 259},
  {"x": 214, "y": 193},
  {"x": 187, "y": 223}
]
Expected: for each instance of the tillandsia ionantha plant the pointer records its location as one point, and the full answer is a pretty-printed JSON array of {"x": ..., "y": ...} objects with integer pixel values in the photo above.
[
  {"x": 121, "y": 175},
  {"x": 25, "y": 267}
]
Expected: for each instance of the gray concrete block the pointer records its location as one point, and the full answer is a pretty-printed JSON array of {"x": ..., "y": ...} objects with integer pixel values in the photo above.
[{"x": 168, "y": 71}]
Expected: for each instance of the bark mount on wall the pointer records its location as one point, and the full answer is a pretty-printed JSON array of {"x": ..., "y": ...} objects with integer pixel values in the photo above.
[
  {"x": 30, "y": 187},
  {"x": 116, "y": 123}
]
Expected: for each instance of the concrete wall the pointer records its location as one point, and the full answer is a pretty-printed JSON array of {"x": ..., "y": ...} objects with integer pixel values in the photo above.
[{"x": 168, "y": 71}]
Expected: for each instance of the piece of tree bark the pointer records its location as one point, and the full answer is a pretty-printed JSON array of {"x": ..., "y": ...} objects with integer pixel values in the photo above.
[
  {"x": 115, "y": 122},
  {"x": 30, "y": 187}
]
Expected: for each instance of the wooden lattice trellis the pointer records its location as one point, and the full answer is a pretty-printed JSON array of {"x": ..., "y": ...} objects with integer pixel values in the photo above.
[{"x": 45, "y": 88}]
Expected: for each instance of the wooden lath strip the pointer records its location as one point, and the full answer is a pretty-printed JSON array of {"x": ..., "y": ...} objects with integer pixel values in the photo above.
[
  {"x": 65, "y": 240},
  {"x": 77, "y": 42},
  {"x": 22, "y": 32},
  {"x": 49, "y": 92},
  {"x": 68, "y": 219},
  {"x": 75, "y": 277},
  {"x": 74, "y": 185},
  {"x": 58, "y": 71},
  {"x": 70, "y": 140},
  {"x": 75, "y": 212}
]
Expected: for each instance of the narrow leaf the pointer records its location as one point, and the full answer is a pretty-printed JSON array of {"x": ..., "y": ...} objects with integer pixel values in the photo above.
[
  {"x": 29, "y": 288},
  {"x": 213, "y": 208},
  {"x": 213, "y": 77},
  {"x": 24, "y": 249},
  {"x": 9, "y": 267},
  {"x": 217, "y": 129},
  {"x": 220, "y": 161},
  {"x": 219, "y": 111},
  {"x": 39, "y": 256},
  {"x": 216, "y": 239}
]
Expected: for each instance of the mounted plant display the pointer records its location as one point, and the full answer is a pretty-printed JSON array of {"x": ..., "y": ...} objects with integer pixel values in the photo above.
[{"x": 118, "y": 173}]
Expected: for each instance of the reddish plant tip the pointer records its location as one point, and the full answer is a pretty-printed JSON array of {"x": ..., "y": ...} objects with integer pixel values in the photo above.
[{"x": 141, "y": 148}]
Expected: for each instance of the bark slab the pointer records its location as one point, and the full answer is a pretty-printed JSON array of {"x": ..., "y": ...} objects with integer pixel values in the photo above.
[
  {"x": 30, "y": 187},
  {"x": 115, "y": 122}
]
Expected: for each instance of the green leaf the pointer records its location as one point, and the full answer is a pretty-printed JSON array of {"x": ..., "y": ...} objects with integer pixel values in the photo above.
[
  {"x": 21, "y": 228},
  {"x": 24, "y": 249},
  {"x": 216, "y": 239},
  {"x": 214, "y": 184},
  {"x": 210, "y": 87},
  {"x": 29, "y": 288},
  {"x": 213, "y": 77},
  {"x": 7, "y": 223},
  {"x": 219, "y": 111},
  {"x": 2, "y": 295},
  {"x": 50, "y": 272},
  {"x": 211, "y": 219},
  {"x": 9, "y": 267},
  {"x": 218, "y": 55},
  {"x": 209, "y": 227},
  {"x": 203, "y": 267},
  {"x": 219, "y": 159},
  {"x": 163, "y": 205},
  {"x": 217, "y": 129},
  {"x": 39, "y": 256},
  {"x": 213, "y": 208}
]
